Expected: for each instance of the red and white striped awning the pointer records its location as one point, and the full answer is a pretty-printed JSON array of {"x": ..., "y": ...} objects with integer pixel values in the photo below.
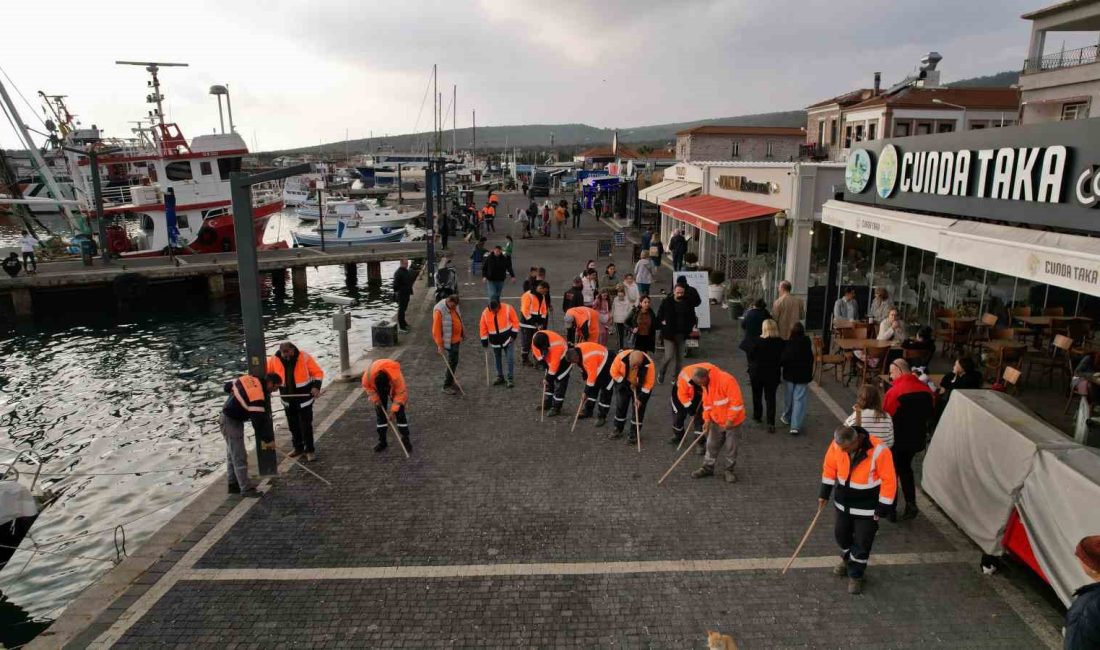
[{"x": 710, "y": 212}]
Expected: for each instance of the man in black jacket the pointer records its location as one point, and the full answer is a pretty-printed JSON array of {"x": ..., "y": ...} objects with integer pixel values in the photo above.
[
  {"x": 676, "y": 319},
  {"x": 1083, "y": 617},
  {"x": 403, "y": 288},
  {"x": 690, "y": 293},
  {"x": 678, "y": 246},
  {"x": 495, "y": 269},
  {"x": 574, "y": 296}
]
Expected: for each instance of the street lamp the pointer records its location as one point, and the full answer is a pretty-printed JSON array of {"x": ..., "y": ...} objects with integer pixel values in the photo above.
[
  {"x": 937, "y": 100},
  {"x": 219, "y": 90},
  {"x": 780, "y": 219}
]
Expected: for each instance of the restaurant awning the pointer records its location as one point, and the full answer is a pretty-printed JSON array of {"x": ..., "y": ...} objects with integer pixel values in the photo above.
[
  {"x": 666, "y": 190},
  {"x": 709, "y": 212},
  {"x": 1069, "y": 261},
  {"x": 906, "y": 228}
]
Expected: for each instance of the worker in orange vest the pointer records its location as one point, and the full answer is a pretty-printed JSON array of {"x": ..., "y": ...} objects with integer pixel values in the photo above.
[
  {"x": 723, "y": 413},
  {"x": 298, "y": 374},
  {"x": 548, "y": 348},
  {"x": 448, "y": 333},
  {"x": 860, "y": 468},
  {"x": 490, "y": 213},
  {"x": 247, "y": 402},
  {"x": 594, "y": 362},
  {"x": 499, "y": 329},
  {"x": 686, "y": 399},
  {"x": 582, "y": 324},
  {"x": 534, "y": 308},
  {"x": 385, "y": 386},
  {"x": 634, "y": 376}
]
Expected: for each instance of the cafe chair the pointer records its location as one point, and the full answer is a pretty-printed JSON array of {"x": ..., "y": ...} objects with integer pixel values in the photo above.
[
  {"x": 942, "y": 331},
  {"x": 872, "y": 362},
  {"x": 959, "y": 337},
  {"x": 1011, "y": 378},
  {"x": 997, "y": 360},
  {"x": 1058, "y": 361},
  {"x": 982, "y": 331},
  {"x": 1054, "y": 311},
  {"x": 1017, "y": 312},
  {"x": 821, "y": 360}
]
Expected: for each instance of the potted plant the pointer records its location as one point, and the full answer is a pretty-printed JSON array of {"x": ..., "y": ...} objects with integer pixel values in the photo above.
[
  {"x": 691, "y": 261},
  {"x": 716, "y": 285}
]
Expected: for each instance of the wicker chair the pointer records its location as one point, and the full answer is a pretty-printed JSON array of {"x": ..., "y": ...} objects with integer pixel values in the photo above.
[{"x": 821, "y": 359}]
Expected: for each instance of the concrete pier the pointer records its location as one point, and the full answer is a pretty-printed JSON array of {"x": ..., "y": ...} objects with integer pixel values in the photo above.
[
  {"x": 22, "y": 303},
  {"x": 215, "y": 286},
  {"x": 298, "y": 279},
  {"x": 351, "y": 274},
  {"x": 374, "y": 274}
]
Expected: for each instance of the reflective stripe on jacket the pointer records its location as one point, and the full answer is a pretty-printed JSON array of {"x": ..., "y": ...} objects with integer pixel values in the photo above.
[
  {"x": 499, "y": 327},
  {"x": 533, "y": 306},
  {"x": 593, "y": 359},
  {"x": 865, "y": 482},
  {"x": 307, "y": 375},
  {"x": 246, "y": 398},
  {"x": 586, "y": 321},
  {"x": 551, "y": 346},
  {"x": 398, "y": 390},
  {"x": 722, "y": 401},
  {"x": 685, "y": 388},
  {"x": 647, "y": 374},
  {"x": 446, "y": 324}
]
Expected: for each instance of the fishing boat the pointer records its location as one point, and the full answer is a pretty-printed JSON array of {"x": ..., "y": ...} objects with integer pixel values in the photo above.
[
  {"x": 348, "y": 235},
  {"x": 335, "y": 208},
  {"x": 20, "y": 504}
]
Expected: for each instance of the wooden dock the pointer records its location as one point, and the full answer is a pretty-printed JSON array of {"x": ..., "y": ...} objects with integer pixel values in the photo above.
[{"x": 126, "y": 275}]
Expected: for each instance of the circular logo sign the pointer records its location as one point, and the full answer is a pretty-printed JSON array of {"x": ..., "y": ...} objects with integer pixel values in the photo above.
[
  {"x": 858, "y": 173},
  {"x": 886, "y": 176}
]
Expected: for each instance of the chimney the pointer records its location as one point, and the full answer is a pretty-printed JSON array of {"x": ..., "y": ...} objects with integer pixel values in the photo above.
[{"x": 878, "y": 83}]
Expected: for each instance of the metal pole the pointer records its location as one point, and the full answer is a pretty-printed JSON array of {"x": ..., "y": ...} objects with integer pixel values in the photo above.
[
  {"x": 871, "y": 273},
  {"x": 932, "y": 290},
  {"x": 221, "y": 117},
  {"x": 429, "y": 219},
  {"x": 454, "y": 123},
  {"x": 321, "y": 215},
  {"x": 981, "y": 301},
  {"x": 400, "y": 198},
  {"x": 229, "y": 109},
  {"x": 97, "y": 193},
  {"x": 900, "y": 295},
  {"x": 345, "y": 357}
]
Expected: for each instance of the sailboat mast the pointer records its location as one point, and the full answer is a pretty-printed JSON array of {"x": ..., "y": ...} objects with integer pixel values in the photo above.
[{"x": 454, "y": 121}]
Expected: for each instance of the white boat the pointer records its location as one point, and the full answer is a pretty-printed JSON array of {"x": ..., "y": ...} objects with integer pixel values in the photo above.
[
  {"x": 297, "y": 190},
  {"x": 387, "y": 217},
  {"x": 334, "y": 209},
  {"x": 348, "y": 236}
]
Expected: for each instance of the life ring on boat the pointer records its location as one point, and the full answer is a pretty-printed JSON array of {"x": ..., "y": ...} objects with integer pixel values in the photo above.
[
  {"x": 130, "y": 286},
  {"x": 207, "y": 236}
]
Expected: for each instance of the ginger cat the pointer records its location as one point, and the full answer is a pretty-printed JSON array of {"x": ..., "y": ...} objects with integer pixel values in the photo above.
[{"x": 717, "y": 641}]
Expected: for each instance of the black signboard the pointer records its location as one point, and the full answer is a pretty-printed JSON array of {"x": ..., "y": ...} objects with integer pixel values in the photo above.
[
  {"x": 603, "y": 247},
  {"x": 1042, "y": 174}
]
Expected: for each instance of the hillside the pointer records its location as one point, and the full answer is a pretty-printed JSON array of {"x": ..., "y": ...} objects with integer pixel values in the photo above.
[
  {"x": 999, "y": 80},
  {"x": 564, "y": 135}
]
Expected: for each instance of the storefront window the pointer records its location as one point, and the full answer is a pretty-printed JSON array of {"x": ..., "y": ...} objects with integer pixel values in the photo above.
[
  {"x": 887, "y": 267},
  {"x": 908, "y": 296},
  {"x": 926, "y": 286},
  {"x": 967, "y": 290}
]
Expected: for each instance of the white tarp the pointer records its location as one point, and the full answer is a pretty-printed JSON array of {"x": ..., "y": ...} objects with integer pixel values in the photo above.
[
  {"x": 1060, "y": 504},
  {"x": 983, "y": 449},
  {"x": 699, "y": 281},
  {"x": 666, "y": 190},
  {"x": 15, "y": 501},
  {"x": 907, "y": 228}
]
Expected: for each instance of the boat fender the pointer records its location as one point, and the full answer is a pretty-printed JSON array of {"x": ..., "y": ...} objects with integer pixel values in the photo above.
[{"x": 130, "y": 286}]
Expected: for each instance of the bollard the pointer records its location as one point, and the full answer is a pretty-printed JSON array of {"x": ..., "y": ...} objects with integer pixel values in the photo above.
[{"x": 341, "y": 322}]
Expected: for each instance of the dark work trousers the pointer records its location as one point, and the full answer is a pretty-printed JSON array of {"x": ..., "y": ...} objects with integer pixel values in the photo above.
[
  {"x": 677, "y": 262},
  {"x": 402, "y": 307},
  {"x": 444, "y": 232},
  {"x": 452, "y": 358},
  {"x": 553, "y": 395},
  {"x": 625, "y": 406},
  {"x": 682, "y": 413},
  {"x": 598, "y": 396},
  {"x": 765, "y": 392},
  {"x": 489, "y": 227},
  {"x": 526, "y": 334},
  {"x": 855, "y": 535},
  {"x": 300, "y": 420},
  {"x": 903, "y": 467},
  {"x": 576, "y": 219},
  {"x": 401, "y": 419}
]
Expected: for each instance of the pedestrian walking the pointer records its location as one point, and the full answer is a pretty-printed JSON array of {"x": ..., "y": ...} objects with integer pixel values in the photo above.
[
  {"x": 867, "y": 413},
  {"x": 1082, "y": 630},
  {"x": 246, "y": 402},
  {"x": 634, "y": 375},
  {"x": 27, "y": 245},
  {"x": 643, "y": 273},
  {"x": 490, "y": 215},
  {"x": 686, "y": 399},
  {"x": 477, "y": 257},
  {"x": 797, "y": 365},
  {"x": 633, "y": 294},
  {"x": 534, "y": 310},
  {"x": 676, "y": 319},
  {"x": 403, "y": 289},
  {"x": 448, "y": 333},
  {"x": 496, "y": 269},
  {"x": 620, "y": 311},
  {"x": 444, "y": 228},
  {"x": 647, "y": 240},
  {"x": 678, "y": 246},
  {"x": 577, "y": 210},
  {"x": 524, "y": 187},
  {"x": 859, "y": 474},
  {"x": 752, "y": 322},
  {"x": 299, "y": 374},
  {"x": 573, "y": 296},
  {"x": 911, "y": 406},
  {"x": 581, "y": 324},
  {"x": 765, "y": 356},
  {"x": 548, "y": 349},
  {"x": 561, "y": 214},
  {"x": 723, "y": 414},
  {"x": 546, "y": 218},
  {"x": 509, "y": 247},
  {"x": 787, "y": 310},
  {"x": 385, "y": 387},
  {"x": 594, "y": 362},
  {"x": 691, "y": 294},
  {"x": 642, "y": 324},
  {"x": 499, "y": 330},
  {"x": 12, "y": 265}
]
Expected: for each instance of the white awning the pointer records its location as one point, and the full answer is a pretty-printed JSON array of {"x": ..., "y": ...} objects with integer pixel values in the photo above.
[
  {"x": 666, "y": 190},
  {"x": 1069, "y": 261},
  {"x": 918, "y": 230}
]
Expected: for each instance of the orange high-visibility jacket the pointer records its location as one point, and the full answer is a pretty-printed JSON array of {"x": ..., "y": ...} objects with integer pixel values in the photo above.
[
  {"x": 306, "y": 372},
  {"x": 586, "y": 321},
  {"x": 247, "y": 393},
  {"x": 533, "y": 306},
  {"x": 552, "y": 346},
  {"x": 490, "y": 211},
  {"x": 593, "y": 359},
  {"x": 444, "y": 323},
  {"x": 499, "y": 328},
  {"x": 865, "y": 482},
  {"x": 620, "y": 368},
  {"x": 398, "y": 391},
  {"x": 722, "y": 402},
  {"x": 493, "y": 198},
  {"x": 685, "y": 389}
]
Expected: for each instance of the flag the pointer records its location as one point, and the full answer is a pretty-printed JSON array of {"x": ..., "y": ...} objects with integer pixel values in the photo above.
[
  {"x": 170, "y": 219},
  {"x": 340, "y": 225}
]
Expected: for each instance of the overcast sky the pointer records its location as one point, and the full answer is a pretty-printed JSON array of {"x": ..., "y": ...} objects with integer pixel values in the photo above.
[{"x": 304, "y": 71}]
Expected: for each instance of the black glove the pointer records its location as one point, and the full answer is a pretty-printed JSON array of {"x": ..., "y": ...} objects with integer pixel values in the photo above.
[{"x": 484, "y": 343}]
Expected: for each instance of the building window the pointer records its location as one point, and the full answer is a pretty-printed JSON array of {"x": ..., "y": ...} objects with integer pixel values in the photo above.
[
  {"x": 872, "y": 130},
  {"x": 832, "y": 131},
  {"x": 1075, "y": 111},
  {"x": 848, "y": 137},
  {"x": 924, "y": 128},
  {"x": 768, "y": 149},
  {"x": 821, "y": 132},
  {"x": 228, "y": 165},
  {"x": 945, "y": 127},
  {"x": 735, "y": 149},
  {"x": 901, "y": 129},
  {"x": 178, "y": 171},
  {"x": 182, "y": 223},
  {"x": 204, "y": 168},
  {"x": 974, "y": 126}
]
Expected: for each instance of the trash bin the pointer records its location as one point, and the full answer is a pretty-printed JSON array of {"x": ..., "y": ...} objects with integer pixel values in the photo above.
[{"x": 87, "y": 250}]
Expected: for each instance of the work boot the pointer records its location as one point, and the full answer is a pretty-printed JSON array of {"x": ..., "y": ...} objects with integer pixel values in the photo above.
[
  {"x": 855, "y": 586},
  {"x": 381, "y": 446},
  {"x": 616, "y": 434},
  {"x": 661, "y": 377},
  {"x": 771, "y": 428},
  {"x": 601, "y": 422},
  {"x": 632, "y": 438},
  {"x": 311, "y": 457},
  {"x": 703, "y": 472},
  {"x": 910, "y": 512},
  {"x": 234, "y": 488},
  {"x": 499, "y": 381},
  {"x": 674, "y": 440},
  {"x": 583, "y": 415},
  {"x": 296, "y": 453},
  {"x": 408, "y": 443},
  {"x": 449, "y": 390},
  {"x": 730, "y": 476},
  {"x": 556, "y": 410},
  {"x": 252, "y": 493},
  {"x": 841, "y": 569},
  {"x": 510, "y": 383}
]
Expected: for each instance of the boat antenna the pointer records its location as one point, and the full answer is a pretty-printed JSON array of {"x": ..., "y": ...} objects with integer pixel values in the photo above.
[{"x": 155, "y": 97}]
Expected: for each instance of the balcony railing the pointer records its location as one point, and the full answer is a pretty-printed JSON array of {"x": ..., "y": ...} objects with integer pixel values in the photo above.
[
  {"x": 1065, "y": 59},
  {"x": 813, "y": 151}
]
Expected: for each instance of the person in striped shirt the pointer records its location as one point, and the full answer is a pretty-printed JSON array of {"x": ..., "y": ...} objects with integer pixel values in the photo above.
[{"x": 868, "y": 413}]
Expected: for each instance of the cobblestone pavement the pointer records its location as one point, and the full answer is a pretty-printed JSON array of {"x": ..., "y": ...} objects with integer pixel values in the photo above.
[{"x": 490, "y": 485}]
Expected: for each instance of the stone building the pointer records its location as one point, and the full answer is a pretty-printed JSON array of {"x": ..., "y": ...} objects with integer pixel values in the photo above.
[{"x": 750, "y": 143}]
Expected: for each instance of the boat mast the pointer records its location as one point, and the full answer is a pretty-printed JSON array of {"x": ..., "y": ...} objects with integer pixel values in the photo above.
[
  {"x": 78, "y": 224},
  {"x": 156, "y": 98},
  {"x": 454, "y": 121}
]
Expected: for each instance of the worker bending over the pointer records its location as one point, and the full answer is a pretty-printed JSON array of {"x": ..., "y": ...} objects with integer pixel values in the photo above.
[
  {"x": 582, "y": 324},
  {"x": 385, "y": 386},
  {"x": 634, "y": 376},
  {"x": 686, "y": 399},
  {"x": 595, "y": 363},
  {"x": 247, "y": 399},
  {"x": 548, "y": 348},
  {"x": 723, "y": 413}
]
